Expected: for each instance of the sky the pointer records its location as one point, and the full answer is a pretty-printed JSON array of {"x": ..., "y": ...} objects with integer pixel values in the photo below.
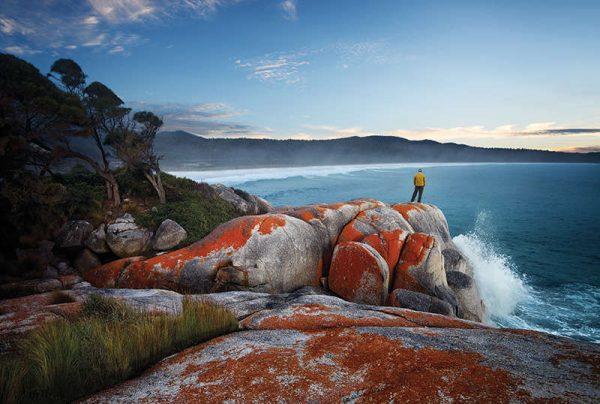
[{"x": 519, "y": 74}]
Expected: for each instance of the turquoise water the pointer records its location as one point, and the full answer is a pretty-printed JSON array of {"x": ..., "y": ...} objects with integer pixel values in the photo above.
[{"x": 532, "y": 231}]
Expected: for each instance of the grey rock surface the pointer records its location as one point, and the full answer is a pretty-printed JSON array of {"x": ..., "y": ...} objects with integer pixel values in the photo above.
[{"x": 168, "y": 235}]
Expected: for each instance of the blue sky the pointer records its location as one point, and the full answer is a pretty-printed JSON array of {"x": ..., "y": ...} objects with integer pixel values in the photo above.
[{"x": 488, "y": 73}]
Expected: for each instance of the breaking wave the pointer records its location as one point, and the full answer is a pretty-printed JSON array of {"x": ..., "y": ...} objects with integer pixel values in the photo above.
[
  {"x": 243, "y": 175},
  {"x": 501, "y": 287},
  {"x": 567, "y": 310}
]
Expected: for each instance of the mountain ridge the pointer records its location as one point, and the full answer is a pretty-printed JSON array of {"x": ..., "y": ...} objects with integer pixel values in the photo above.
[{"x": 184, "y": 150}]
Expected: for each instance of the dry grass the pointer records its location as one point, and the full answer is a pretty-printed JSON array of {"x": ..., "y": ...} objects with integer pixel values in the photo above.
[{"x": 110, "y": 343}]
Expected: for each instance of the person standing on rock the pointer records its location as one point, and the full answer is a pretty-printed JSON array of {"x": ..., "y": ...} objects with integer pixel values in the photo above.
[{"x": 419, "y": 182}]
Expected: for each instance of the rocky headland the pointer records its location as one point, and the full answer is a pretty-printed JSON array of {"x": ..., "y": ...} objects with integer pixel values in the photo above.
[{"x": 355, "y": 301}]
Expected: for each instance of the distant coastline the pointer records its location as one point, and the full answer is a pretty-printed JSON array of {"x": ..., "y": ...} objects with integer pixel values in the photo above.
[{"x": 183, "y": 151}]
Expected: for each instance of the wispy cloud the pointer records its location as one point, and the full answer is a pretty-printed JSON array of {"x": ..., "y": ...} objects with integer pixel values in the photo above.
[
  {"x": 289, "y": 8},
  {"x": 20, "y": 50},
  {"x": 275, "y": 67},
  {"x": 99, "y": 24},
  {"x": 290, "y": 67}
]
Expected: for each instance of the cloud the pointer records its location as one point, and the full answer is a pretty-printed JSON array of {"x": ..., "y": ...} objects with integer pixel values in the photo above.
[
  {"x": 289, "y": 67},
  {"x": 96, "y": 24},
  {"x": 20, "y": 50},
  {"x": 206, "y": 119},
  {"x": 580, "y": 149},
  {"x": 289, "y": 9},
  {"x": 565, "y": 131},
  {"x": 275, "y": 67}
]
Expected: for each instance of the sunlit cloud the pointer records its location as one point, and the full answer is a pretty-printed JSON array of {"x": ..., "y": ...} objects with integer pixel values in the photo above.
[{"x": 275, "y": 67}]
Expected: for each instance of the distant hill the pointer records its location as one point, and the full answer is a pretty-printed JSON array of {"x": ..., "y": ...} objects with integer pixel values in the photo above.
[{"x": 185, "y": 151}]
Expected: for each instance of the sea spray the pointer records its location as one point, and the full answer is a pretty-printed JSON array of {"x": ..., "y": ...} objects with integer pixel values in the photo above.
[{"x": 502, "y": 289}]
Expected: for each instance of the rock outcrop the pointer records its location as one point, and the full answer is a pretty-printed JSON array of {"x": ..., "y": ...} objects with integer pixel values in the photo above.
[
  {"x": 243, "y": 201},
  {"x": 311, "y": 347},
  {"x": 96, "y": 240},
  {"x": 362, "y": 250},
  {"x": 168, "y": 235},
  {"x": 125, "y": 238},
  {"x": 308, "y": 346}
]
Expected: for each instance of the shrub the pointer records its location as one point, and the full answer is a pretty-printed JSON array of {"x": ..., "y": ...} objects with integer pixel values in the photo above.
[
  {"x": 197, "y": 208},
  {"x": 110, "y": 343}
]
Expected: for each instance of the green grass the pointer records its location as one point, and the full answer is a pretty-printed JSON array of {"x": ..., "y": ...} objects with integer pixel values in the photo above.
[{"x": 109, "y": 343}]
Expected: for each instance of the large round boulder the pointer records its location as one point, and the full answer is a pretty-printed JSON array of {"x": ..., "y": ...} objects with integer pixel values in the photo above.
[
  {"x": 269, "y": 253},
  {"x": 359, "y": 274},
  {"x": 421, "y": 268},
  {"x": 126, "y": 239},
  {"x": 168, "y": 235}
]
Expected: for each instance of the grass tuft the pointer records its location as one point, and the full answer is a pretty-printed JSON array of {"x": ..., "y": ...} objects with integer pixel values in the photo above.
[{"x": 66, "y": 360}]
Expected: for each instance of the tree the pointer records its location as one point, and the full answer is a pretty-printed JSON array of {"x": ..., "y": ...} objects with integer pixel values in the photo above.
[
  {"x": 134, "y": 144},
  {"x": 105, "y": 112}
]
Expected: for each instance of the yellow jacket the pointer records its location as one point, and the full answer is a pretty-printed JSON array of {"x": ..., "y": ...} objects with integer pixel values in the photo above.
[{"x": 419, "y": 180}]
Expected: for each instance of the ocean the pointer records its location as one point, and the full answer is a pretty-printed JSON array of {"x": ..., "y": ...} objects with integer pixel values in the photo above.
[{"x": 531, "y": 231}]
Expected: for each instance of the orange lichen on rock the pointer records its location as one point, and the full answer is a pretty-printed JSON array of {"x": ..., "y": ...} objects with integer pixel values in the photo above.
[
  {"x": 424, "y": 319},
  {"x": 415, "y": 251},
  {"x": 318, "y": 317},
  {"x": 339, "y": 365},
  {"x": 389, "y": 245},
  {"x": 359, "y": 274},
  {"x": 107, "y": 275},
  {"x": 405, "y": 208}
]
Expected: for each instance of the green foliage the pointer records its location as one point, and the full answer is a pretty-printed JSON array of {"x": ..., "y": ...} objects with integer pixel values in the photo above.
[
  {"x": 133, "y": 183},
  {"x": 86, "y": 194},
  {"x": 197, "y": 210},
  {"x": 63, "y": 361}
]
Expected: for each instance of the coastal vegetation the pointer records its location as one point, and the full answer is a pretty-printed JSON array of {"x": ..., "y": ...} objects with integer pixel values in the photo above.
[
  {"x": 72, "y": 150},
  {"x": 107, "y": 344}
]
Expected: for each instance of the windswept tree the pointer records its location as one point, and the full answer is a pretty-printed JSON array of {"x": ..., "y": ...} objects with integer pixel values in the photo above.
[
  {"x": 134, "y": 144},
  {"x": 105, "y": 113}
]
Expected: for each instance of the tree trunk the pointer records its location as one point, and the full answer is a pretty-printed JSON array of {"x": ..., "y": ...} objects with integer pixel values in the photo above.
[
  {"x": 112, "y": 187},
  {"x": 154, "y": 179}
]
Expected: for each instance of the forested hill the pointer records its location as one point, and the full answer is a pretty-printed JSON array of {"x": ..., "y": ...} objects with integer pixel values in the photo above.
[{"x": 185, "y": 151}]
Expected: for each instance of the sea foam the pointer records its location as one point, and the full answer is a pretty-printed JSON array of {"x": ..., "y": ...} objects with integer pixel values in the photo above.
[
  {"x": 501, "y": 287},
  {"x": 243, "y": 175}
]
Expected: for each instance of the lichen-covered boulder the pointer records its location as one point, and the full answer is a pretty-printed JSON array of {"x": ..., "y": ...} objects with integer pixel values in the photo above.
[
  {"x": 107, "y": 275},
  {"x": 328, "y": 220},
  {"x": 421, "y": 268},
  {"x": 420, "y": 302},
  {"x": 372, "y": 364},
  {"x": 383, "y": 229},
  {"x": 270, "y": 253},
  {"x": 73, "y": 234},
  {"x": 168, "y": 235},
  {"x": 126, "y": 239},
  {"x": 425, "y": 218},
  {"x": 96, "y": 240},
  {"x": 359, "y": 274}
]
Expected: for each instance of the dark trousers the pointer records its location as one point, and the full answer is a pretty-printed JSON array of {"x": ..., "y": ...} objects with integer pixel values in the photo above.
[{"x": 417, "y": 190}]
